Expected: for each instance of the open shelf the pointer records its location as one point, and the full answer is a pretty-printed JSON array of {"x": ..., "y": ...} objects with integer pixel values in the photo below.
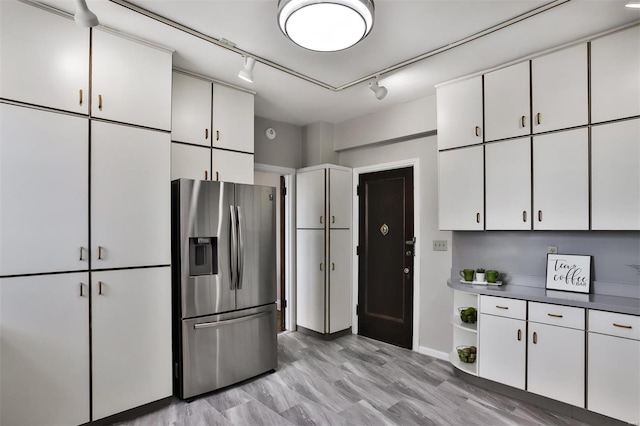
[
  {"x": 470, "y": 368},
  {"x": 457, "y": 322}
]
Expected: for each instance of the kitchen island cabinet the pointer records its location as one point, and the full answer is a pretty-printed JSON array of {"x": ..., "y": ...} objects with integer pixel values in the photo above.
[{"x": 44, "y": 350}]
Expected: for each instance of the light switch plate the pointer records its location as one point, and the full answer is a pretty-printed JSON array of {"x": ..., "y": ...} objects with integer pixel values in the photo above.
[
  {"x": 439, "y": 245},
  {"x": 552, "y": 249}
]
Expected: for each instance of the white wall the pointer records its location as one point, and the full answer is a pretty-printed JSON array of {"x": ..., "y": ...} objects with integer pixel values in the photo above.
[
  {"x": 285, "y": 150},
  {"x": 318, "y": 144},
  {"x": 435, "y": 267}
]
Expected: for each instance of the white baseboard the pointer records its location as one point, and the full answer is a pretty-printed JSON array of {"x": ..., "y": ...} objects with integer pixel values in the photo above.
[{"x": 434, "y": 353}]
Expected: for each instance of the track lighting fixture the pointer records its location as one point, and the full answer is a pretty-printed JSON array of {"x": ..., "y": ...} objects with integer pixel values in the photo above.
[
  {"x": 325, "y": 25},
  {"x": 247, "y": 72},
  {"x": 380, "y": 91},
  {"x": 84, "y": 17}
]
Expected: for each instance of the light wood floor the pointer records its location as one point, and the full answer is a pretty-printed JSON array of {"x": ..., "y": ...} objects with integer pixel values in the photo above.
[{"x": 352, "y": 381}]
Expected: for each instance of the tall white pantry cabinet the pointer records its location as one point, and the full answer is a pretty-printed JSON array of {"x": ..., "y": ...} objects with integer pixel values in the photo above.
[
  {"x": 323, "y": 215},
  {"x": 84, "y": 220}
]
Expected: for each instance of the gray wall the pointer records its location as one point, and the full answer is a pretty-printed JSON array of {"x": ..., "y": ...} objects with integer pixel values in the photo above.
[
  {"x": 285, "y": 150},
  {"x": 317, "y": 144},
  {"x": 522, "y": 255}
]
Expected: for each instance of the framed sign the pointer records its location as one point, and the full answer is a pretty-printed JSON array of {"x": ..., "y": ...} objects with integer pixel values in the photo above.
[{"x": 569, "y": 272}]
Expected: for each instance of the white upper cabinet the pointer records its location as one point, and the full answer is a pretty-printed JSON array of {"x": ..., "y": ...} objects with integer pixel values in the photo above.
[
  {"x": 131, "y": 81},
  {"x": 190, "y": 162},
  {"x": 229, "y": 166},
  {"x": 506, "y": 102},
  {"x": 340, "y": 185},
  {"x": 191, "y": 110},
  {"x": 615, "y": 67},
  {"x": 44, "y": 323},
  {"x": 43, "y": 191},
  {"x": 461, "y": 189},
  {"x": 310, "y": 202},
  {"x": 560, "y": 89},
  {"x": 131, "y": 338},
  {"x": 130, "y": 196},
  {"x": 45, "y": 58},
  {"x": 508, "y": 184},
  {"x": 615, "y": 176},
  {"x": 460, "y": 113},
  {"x": 561, "y": 180},
  {"x": 233, "y": 119}
]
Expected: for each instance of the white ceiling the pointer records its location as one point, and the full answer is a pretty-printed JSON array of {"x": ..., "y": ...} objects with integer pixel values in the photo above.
[{"x": 403, "y": 29}]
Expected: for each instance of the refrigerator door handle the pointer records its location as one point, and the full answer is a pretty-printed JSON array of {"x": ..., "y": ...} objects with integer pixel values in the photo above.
[
  {"x": 233, "y": 255},
  {"x": 231, "y": 321},
  {"x": 240, "y": 247}
]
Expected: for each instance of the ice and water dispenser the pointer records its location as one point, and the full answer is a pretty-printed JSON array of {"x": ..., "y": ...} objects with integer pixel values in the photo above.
[{"x": 203, "y": 256}]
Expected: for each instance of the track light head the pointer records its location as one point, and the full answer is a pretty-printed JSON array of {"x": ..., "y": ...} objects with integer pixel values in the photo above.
[
  {"x": 83, "y": 16},
  {"x": 380, "y": 91},
  {"x": 246, "y": 73}
]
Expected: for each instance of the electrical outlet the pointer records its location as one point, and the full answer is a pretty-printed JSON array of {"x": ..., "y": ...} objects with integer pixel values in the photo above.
[
  {"x": 552, "y": 249},
  {"x": 439, "y": 245}
]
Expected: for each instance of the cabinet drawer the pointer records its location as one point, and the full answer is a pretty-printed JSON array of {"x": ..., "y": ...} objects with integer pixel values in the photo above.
[
  {"x": 621, "y": 325},
  {"x": 510, "y": 308},
  {"x": 563, "y": 316}
]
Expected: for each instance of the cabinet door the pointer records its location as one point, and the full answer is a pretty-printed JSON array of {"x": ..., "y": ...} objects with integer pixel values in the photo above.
[
  {"x": 561, "y": 180},
  {"x": 190, "y": 162},
  {"x": 339, "y": 280},
  {"x": 461, "y": 189},
  {"x": 559, "y": 89},
  {"x": 508, "y": 186},
  {"x": 45, "y": 58},
  {"x": 555, "y": 367},
  {"x": 131, "y": 82},
  {"x": 310, "y": 273},
  {"x": 43, "y": 191},
  {"x": 340, "y": 190},
  {"x": 506, "y": 102},
  {"x": 44, "y": 350},
  {"x": 131, "y": 338},
  {"x": 232, "y": 119},
  {"x": 501, "y": 355},
  {"x": 130, "y": 196},
  {"x": 190, "y": 110},
  {"x": 613, "y": 373},
  {"x": 460, "y": 113},
  {"x": 229, "y": 166},
  {"x": 615, "y": 67},
  {"x": 310, "y": 199},
  {"x": 615, "y": 176}
]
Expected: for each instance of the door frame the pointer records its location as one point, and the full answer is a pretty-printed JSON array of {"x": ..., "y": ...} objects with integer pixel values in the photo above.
[
  {"x": 290, "y": 241},
  {"x": 415, "y": 163}
]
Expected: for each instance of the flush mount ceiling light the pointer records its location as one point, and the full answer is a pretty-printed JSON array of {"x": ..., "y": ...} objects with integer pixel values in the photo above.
[
  {"x": 325, "y": 26},
  {"x": 84, "y": 17},
  {"x": 380, "y": 91},
  {"x": 246, "y": 73},
  {"x": 633, "y": 5}
]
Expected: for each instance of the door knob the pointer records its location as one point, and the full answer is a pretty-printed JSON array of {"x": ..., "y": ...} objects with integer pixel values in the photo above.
[{"x": 406, "y": 270}]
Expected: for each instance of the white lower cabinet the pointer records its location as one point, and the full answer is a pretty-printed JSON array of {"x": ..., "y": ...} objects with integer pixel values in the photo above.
[
  {"x": 131, "y": 338},
  {"x": 557, "y": 352},
  {"x": 613, "y": 368},
  {"x": 230, "y": 166},
  {"x": 339, "y": 280},
  {"x": 310, "y": 279},
  {"x": 190, "y": 162},
  {"x": 503, "y": 347},
  {"x": 44, "y": 350}
]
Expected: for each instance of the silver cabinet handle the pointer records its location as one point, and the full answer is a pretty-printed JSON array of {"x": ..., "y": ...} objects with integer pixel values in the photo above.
[
  {"x": 478, "y": 217},
  {"x": 622, "y": 326},
  {"x": 321, "y": 267},
  {"x": 524, "y": 215},
  {"x": 478, "y": 131},
  {"x": 81, "y": 253},
  {"x": 99, "y": 252},
  {"x": 217, "y": 135},
  {"x": 555, "y": 315},
  {"x": 519, "y": 335},
  {"x": 81, "y": 290},
  {"x": 538, "y": 118},
  {"x": 333, "y": 266},
  {"x": 333, "y": 219},
  {"x": 539, "y": 215},
  {"x": 231, "y": 321},
  {"x": 523, "y": 121},
  {"x": 233, "y": 256},
  {"x": 535, "y": 338},
  {"x": 100, "y": 287},
  {"x": 502, "y": 307},
  {"x": 206, "y": 133},
  {"x": 321, "y": 220}
]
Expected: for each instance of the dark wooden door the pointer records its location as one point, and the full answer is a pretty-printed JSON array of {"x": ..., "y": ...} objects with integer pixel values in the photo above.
[
  {"x": 282, "y": 219},
  {"x": 385, "y": 262}
]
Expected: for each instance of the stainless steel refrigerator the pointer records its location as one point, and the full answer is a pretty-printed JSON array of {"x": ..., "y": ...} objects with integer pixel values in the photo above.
[{"x": 224, "y": 284}]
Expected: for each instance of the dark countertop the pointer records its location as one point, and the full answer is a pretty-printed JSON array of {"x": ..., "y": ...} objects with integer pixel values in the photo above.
[{"x": 623, "y": 305}]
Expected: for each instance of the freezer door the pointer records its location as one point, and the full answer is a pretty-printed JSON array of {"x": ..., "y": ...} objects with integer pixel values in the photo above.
[
  {"x": 256, "y": 209},
  {"x": 206, "y": 208},
  {"x": 221, "y": 350}
]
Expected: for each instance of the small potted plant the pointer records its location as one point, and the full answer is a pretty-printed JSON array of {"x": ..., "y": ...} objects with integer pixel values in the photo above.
[{"x": 480, "y": 275}]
